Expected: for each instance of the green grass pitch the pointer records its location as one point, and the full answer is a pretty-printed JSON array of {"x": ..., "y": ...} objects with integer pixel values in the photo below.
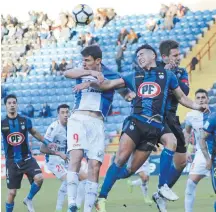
[{"x": 119, "y": 196}]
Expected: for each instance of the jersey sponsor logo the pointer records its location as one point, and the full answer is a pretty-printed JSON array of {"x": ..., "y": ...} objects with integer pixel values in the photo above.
[
  {"x": 15, "y": 138},
  {"x": 149, "y": 90}
]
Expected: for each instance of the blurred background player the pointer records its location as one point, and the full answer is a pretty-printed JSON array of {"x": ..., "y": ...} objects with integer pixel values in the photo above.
[
  {"x": 57, "y": 161},
  {"x": 195, "y": 122},
  {"x": 19, "y": 160},
  {"x": 210, "y": 130},
  {"x": 85, "y": 131},
  {"x": 143, "y": 173},
  {"x": 173, "y": 157},
  {"x": 141, "y": 129}
]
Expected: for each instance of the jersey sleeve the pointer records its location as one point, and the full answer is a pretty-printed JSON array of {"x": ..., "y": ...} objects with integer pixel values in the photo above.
[
  {"x": 184, "y": 82},
  {"x": 28, "y": 123},
  {"x": 129, "y": 80},
  {"x": 210, "y": 124},
  {"x": 50, "y": 133},
  {"x": 173, "y": 83}
]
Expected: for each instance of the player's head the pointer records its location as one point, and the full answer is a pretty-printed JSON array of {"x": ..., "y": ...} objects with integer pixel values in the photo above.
[
  {"x": 63, "y": 113},
  {"x": 146, "y": 56},
  {"x": 201, "y": 96},
  {"x": 10, "y": 102},
  {"x": 92, "y": 56},
  {"x": 169, "y": 50}
]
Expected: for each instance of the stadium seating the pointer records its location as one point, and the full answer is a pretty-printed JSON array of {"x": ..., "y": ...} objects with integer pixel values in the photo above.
[{"x": 40, "y": 87}]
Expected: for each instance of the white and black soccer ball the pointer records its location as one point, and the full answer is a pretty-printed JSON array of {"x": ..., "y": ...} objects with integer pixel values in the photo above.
[{"x": 82, "y": 14}]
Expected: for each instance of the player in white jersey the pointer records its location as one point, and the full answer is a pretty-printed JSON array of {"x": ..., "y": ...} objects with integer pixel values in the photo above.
[
  {"x": 57, "y": 135},
  {"x": 143, "y": 173},
  {"x": 85, "y": 129},
  {"x": 195, "y": 121}
]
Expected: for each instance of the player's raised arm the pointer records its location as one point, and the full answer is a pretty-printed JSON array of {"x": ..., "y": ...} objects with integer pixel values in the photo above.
[
  {"x": 45, "y": 150},
  {"x": 80, "y": 72},
  {"x": 38, "y": 136},
  {"x": 106, "y": 85},
  {"x": 185, "y": 101}
]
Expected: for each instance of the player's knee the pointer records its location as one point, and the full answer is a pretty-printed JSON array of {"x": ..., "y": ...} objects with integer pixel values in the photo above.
[
  {"x": 94, "y": 168},
  {"x": 12, "y": 193},
  {"x": 38, "y": 179},
  {"x": 171, "y": 144}
]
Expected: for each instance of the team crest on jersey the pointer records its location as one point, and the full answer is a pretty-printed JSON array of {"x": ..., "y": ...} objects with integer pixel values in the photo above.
[
  {"x": 15, "y": 138},
  {"x": 149, "y": 90},
  {"x": 161, "y": 75},
  {"x": 178, "y": 75}
]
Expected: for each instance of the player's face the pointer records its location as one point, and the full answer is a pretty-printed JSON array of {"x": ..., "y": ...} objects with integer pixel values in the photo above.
[
  {"x": 89, "y": 63},
  {"x": 201, "y": 98},
  {"x": 173, "y": 58},
  {"x": 11, "y": 105},
  {"x": 63, "y": 115},
  {"x": 145, "y": 57}
]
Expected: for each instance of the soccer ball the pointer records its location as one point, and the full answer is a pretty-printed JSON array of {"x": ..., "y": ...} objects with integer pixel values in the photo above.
[{"x": 82, "y": 14}]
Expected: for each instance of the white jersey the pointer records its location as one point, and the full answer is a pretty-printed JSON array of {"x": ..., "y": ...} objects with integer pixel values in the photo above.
[
  {"x": 88, "y": 99},
  {"x": 95, "y": 100},
  {"x": 56, "y": 133},
  {"x": 196, "y": 120}
]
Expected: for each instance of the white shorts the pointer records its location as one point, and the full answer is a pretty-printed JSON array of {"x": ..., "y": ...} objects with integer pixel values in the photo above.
[
  {"x": 144, "y": 168},
  {"x": 57, "y": 166},
  {"x": 198, "y": 166},
  {"x": 87, "y": 133}
]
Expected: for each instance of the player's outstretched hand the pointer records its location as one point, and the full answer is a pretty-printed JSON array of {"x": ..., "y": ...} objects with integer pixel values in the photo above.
[
  {"x": 209, "y": 164},
  {"x": 98, "y": 75},
  {"x": 168, "y": 66},
  {"x": 130, "y": 96},
  {"x": 63, "y": 156},
  {"x": 52, "y": 146},
  {"x": 81, "y": 86},
  {"x": 204, "y": 108}
]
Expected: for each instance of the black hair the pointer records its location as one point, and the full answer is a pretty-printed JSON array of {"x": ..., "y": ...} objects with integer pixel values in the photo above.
[
  {"x": 63, "y": 106},
  {"x": 201, "y": 90},
  {"x": 8, "y": 97},
  {"x": 167, "y": 45},
  {"x": 92, "y": 50},
  {"x": 146, "y": 46}
]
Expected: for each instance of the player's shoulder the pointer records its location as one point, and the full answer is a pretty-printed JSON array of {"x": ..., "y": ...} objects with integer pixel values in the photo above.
[
  {"x": 54, "y": 124},
  {"x": 181, "y": 70},
  {"x": 192, "y": 114},
  {"x": 212, "y": 117},
  {"x": 212, "y": 109},
  {"x": 23, "y": 117},
  {"x": 110, "y": 74}
]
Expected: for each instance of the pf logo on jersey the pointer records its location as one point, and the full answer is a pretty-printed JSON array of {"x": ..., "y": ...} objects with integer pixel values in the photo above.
[
  {"x": 149, "y": 90},
  {"x": 15, "y": 138}
]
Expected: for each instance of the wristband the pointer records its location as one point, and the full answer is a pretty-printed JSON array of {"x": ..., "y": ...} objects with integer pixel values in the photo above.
[{"x": 46, "y": 141}]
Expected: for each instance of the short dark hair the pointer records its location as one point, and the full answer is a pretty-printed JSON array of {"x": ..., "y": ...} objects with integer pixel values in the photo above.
[
  {"x": 9, "y": 97},
  {"x": 167, "y": 45},
  {"x": 201, "y": 90},
  {"x": 62, "y": 106},
  {"x": 92, "y": 50},
  {"x": 146, "y": 46}
]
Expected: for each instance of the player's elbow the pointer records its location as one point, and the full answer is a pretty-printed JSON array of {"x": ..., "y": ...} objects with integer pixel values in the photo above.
[{"x": 66, "y": 74}]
